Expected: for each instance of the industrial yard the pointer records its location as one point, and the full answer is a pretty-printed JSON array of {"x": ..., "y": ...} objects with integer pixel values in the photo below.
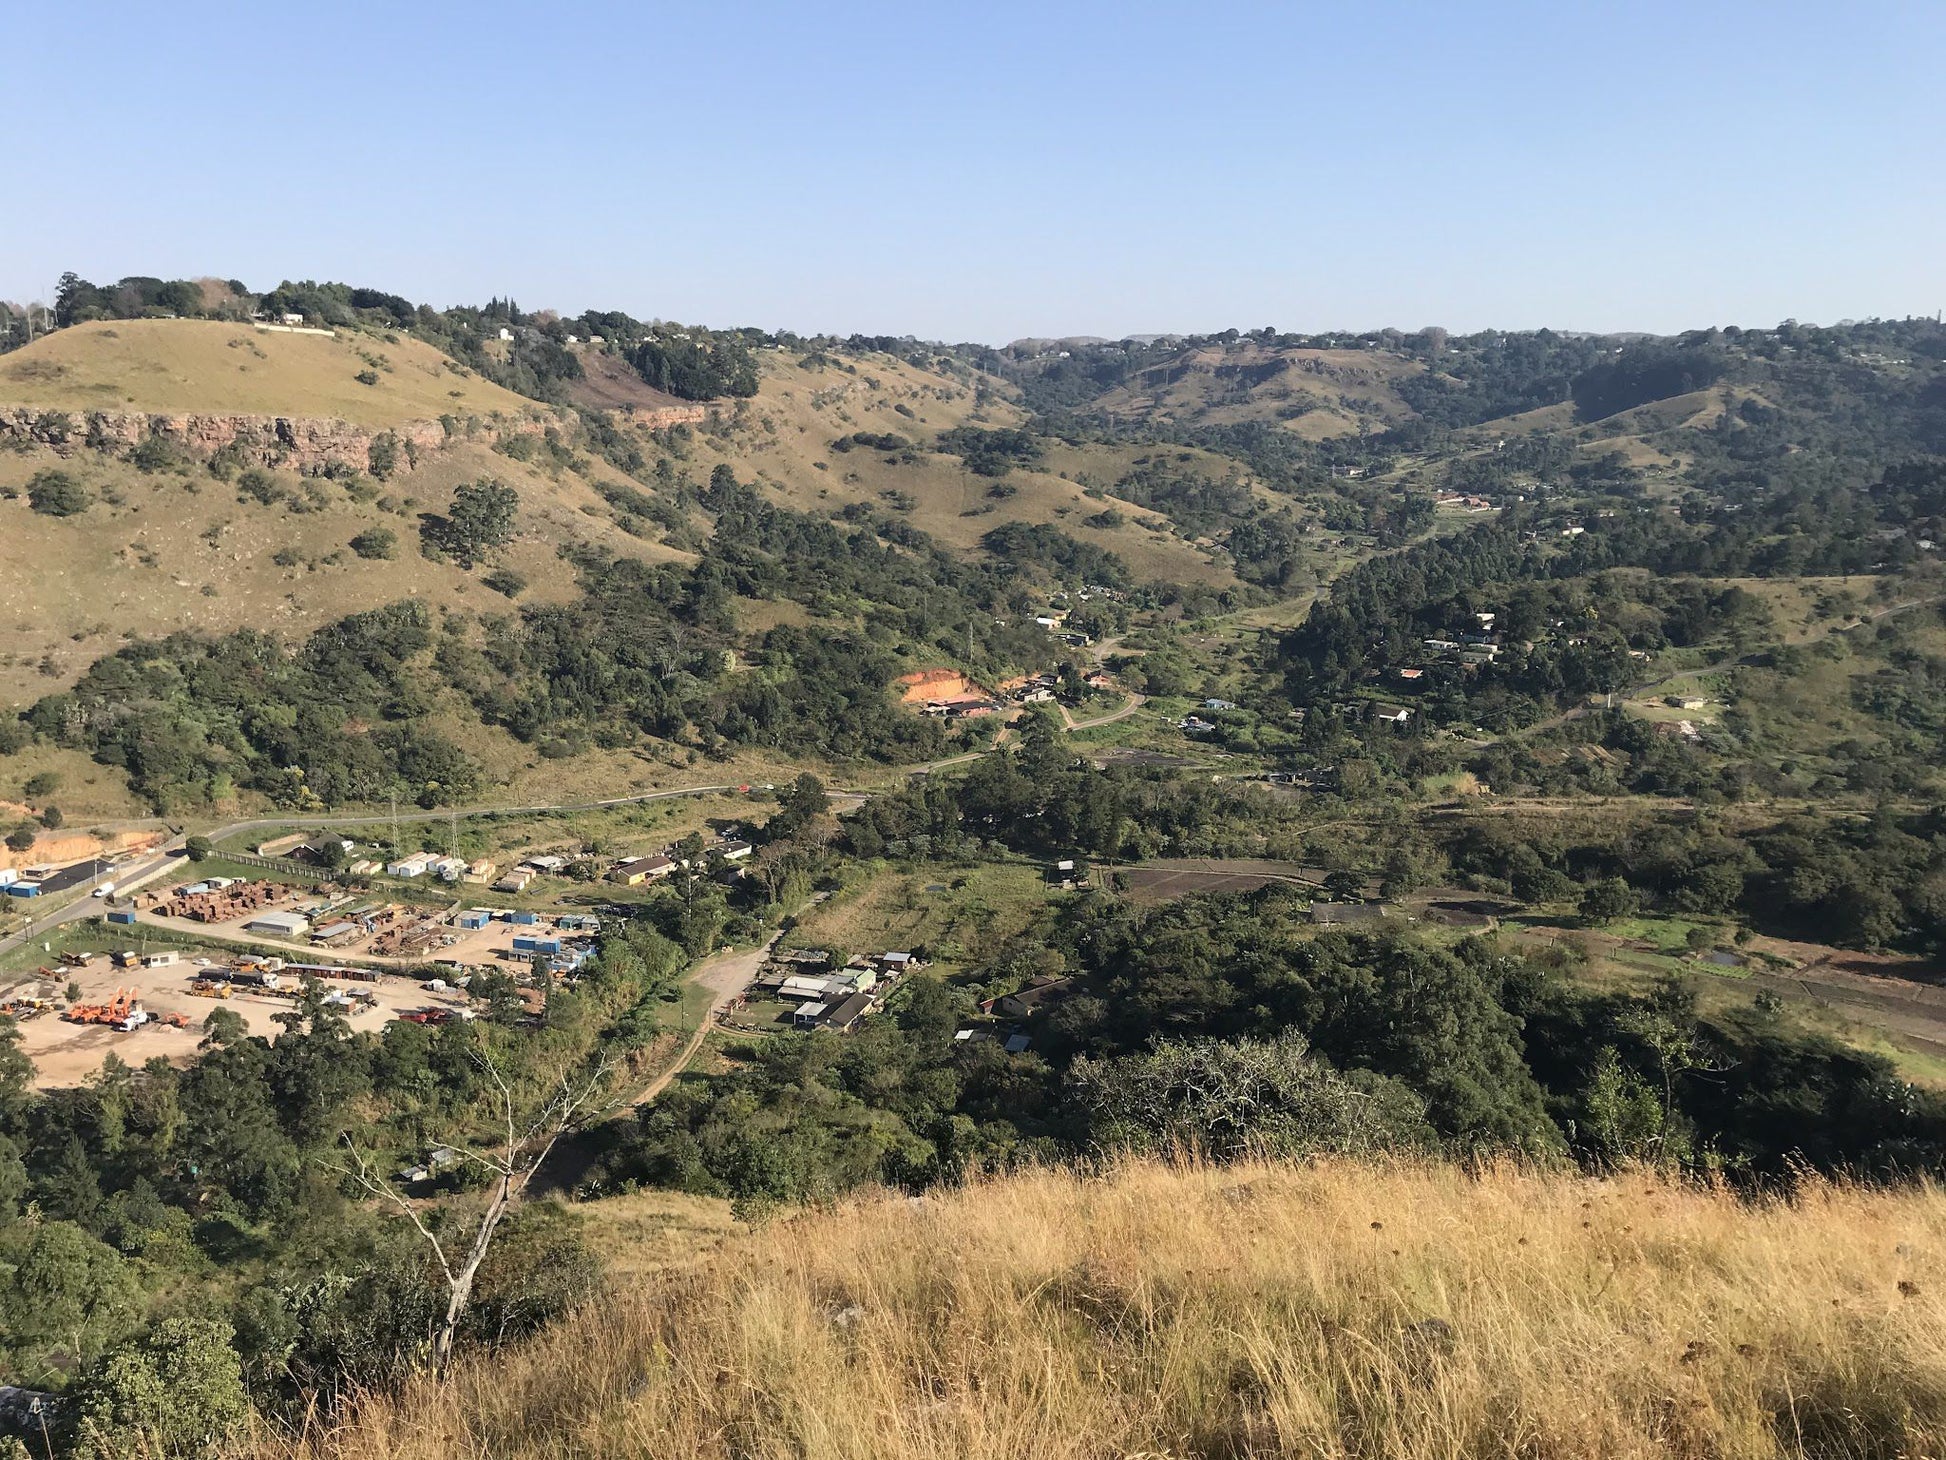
[
  {"x": 66, "y": 1052},
  {"x": 140, "y": 980}
]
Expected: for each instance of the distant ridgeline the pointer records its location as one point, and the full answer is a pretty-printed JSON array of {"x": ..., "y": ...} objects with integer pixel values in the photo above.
[{"x": 532, "y": 354}]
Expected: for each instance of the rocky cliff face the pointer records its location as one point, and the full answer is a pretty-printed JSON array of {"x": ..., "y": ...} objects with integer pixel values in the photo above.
[
  {"x": 660, "y": 418},
  {"x": 298, "y": 443}
]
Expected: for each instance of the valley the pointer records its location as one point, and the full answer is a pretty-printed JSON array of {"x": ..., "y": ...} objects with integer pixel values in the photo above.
[{"x": 781, "y": 770}]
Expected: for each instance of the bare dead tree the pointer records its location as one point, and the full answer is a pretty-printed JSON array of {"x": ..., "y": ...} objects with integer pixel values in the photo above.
[{"x": 520, "y": 1149}]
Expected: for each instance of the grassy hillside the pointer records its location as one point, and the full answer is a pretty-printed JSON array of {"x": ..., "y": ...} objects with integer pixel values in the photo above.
[
  {"x": 1317, "y": 393},
  {"x": 1328, "y": 1310},
  {"x": 164, "y": 551},
  {"x": 156, "y": 553},
  {"x": 785, "y": 435},
  {"x": 184, "y": 366}
]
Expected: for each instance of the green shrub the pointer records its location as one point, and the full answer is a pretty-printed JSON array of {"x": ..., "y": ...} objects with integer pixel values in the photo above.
[
  {"x": 158, "y": 454},
  {"x": 376, "y": 542},
  {"x": 260, "y": 485},
  {"x": 55, "y": 493},
  {"x": 382, "y": 458}
]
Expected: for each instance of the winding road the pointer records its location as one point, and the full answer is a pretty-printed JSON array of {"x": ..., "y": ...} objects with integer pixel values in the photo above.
[{"x": 152, "y": 864}]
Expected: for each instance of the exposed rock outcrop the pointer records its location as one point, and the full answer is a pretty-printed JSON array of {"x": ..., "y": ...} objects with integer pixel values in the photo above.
[{"x": 300, "y": 443}]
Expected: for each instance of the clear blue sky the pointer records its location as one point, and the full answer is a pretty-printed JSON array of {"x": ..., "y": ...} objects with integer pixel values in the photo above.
[{"x": 995, "y": 170}]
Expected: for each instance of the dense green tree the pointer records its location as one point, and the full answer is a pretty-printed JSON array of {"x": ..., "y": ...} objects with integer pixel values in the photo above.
[
  {"x": 56, "y": 493},
  {"x": 177, "y": 1391},
  {"x": 480, "y": 521}
]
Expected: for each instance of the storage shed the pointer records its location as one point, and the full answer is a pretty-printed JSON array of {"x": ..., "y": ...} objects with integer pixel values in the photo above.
[{"x": 279, "y": 925}]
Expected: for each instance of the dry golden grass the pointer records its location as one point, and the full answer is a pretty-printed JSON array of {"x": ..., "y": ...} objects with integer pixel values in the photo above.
[
  {"x": 155, "y": 554},
  {"x": 1335, "y": 1310},
  {"x": 198, "y": 366},
  {"x": 1334, "y": 389},
  {"x": 784, "y": 437}
]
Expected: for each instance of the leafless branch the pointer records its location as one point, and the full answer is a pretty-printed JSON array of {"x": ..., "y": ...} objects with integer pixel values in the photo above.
[
  {"x": 363, "y": 1174},
  {"x": 523, "y": 1153}
]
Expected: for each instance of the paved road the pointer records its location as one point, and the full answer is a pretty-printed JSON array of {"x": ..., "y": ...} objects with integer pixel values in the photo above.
[{"x": 129, "y": 875}]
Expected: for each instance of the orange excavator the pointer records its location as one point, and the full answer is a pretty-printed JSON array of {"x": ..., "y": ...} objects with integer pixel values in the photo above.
[{"x": 122, "y": 1012}]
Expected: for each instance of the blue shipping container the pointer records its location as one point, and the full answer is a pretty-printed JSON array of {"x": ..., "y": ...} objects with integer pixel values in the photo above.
[
  {"x": 124, "y": 917},
  {"x": 472, "y": 920},
  {"x": 23, "y": 889},
  {"x": 524, "y": 918}
]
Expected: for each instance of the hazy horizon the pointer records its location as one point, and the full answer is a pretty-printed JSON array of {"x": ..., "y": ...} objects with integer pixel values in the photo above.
[{"x": 1024, "y": 173}]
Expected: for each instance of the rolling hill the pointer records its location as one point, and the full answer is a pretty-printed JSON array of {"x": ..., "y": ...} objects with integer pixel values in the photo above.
[
  {"x": 168, "y": 548},
  {"x": 1315, "y": 393},
  {"x": 226, "y": 474},
  {"x": 167, "y": 545},
  {"x": 785, "y": 437},
  {"x": 207, "y": 367}
]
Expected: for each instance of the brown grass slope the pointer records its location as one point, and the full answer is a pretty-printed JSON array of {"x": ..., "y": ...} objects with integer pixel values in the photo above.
[
  {"x": 208, "y": 367},
  {"x": 175, "y": 550},
  {"x": 1318, "y": 393},
  {"x": 161, "y": 553},
  {"x": 1329, "y": 1310},
  {"x": 783, "y": 438}
]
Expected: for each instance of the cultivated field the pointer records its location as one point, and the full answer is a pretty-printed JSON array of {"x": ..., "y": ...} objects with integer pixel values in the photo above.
[{"x": 1164, "y": 878}]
